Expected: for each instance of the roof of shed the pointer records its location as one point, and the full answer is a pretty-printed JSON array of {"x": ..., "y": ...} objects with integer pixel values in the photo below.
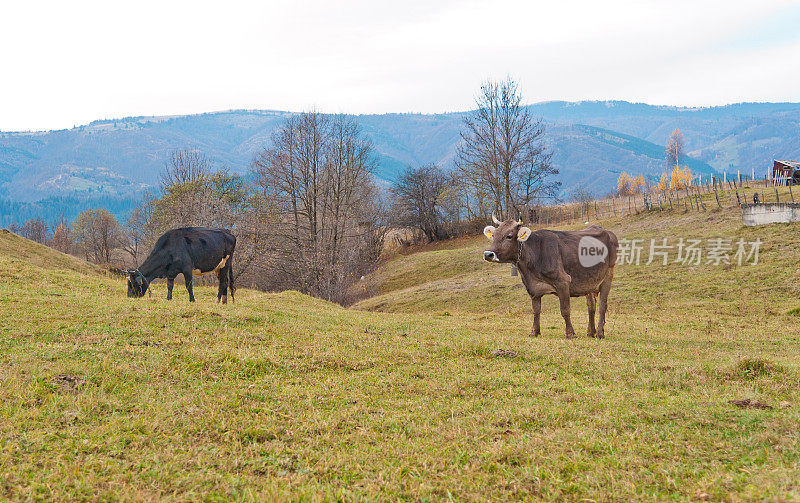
[{"x": 790, "y": 164}]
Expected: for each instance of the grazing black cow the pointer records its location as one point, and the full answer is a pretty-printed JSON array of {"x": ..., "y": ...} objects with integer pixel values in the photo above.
[{"x": 187, "y": 251}]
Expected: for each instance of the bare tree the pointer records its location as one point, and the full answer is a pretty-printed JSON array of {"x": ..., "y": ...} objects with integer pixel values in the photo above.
[
  {"x": 583, "y": 196},
  {"x": 534, "y": 180},
  {"x": 184, "y": 187},
  {"x": 185, "y": 167},
  {"x": 62, "y": 236},
  {"x": 35, "y": 229},
  {"x": 675, "y": 148},
  {"x": 318, "y": 174},
  {"x": 97, "y": 233},
  {"x": 421, "y": 196},
  {"x": 502, "y": 155},
  {"x": 139, "y": 231}
]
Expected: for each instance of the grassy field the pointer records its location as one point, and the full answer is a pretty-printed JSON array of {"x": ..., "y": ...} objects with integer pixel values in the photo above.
[{"x": 432, "y": 390}]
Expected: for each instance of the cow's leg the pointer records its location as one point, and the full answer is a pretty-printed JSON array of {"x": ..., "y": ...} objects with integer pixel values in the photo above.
[
  {"x": 605, "y": 287},
  {"x": 170, "y": 284},
  {"x": 563, "y": 299},
  {"x": 222, "y": 293},
  {"x": 187, "y": 276},
  {"x": 537, "y": 311},
  {"x": 590, "y": 303},
  {"x": 230, "y": 277}
]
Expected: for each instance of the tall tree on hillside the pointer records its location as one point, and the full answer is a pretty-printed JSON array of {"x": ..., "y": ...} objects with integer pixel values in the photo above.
[
  {"x": 138, "y": 230},
  {"x": 97, "y": 233},
  {"x": 420, "y": 194},
  {"x": 674, "y": 152},
  {"x": 502, "y": 152},
  {"x": 62, "y": 236},
  {"x": 193, "y": 193},
  {"x": 317, "y": 174},
  {"x": 184, "y": 183},
  {"x": 35, "y": 229},
  {"x": 185, "y": 167}
]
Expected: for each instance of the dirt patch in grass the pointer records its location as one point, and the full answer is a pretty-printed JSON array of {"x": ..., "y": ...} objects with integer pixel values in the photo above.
[
  {"x": 68, "y": 383},
  {"x": 146, "y": 344},
  {"x": 504, "y": 353},
  {"x": 747, "y": 403}
]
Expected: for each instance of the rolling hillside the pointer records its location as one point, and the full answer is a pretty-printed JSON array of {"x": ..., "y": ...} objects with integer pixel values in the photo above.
[
  {"x": 432, "y": 390},
  {"x": 18, "y": 251},
  {"x": 114, "y": 160}
]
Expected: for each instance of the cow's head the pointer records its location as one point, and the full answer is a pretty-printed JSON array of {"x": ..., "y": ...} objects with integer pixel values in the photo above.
[
  {"x": 137, "y": 283},
  {"x": 506, "y": 238}
]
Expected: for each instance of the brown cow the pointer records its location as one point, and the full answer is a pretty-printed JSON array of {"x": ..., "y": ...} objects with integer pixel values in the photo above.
[{"x": 564, "y": 263}]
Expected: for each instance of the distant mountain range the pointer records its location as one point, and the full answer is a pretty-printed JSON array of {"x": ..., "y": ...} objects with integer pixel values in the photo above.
[{"x": 112, "y": 161}]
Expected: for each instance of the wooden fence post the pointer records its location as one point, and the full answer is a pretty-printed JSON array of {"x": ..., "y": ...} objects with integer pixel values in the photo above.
[{"x": 700, "y": 199}]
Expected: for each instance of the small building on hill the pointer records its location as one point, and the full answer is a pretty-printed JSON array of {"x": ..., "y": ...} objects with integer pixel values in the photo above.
[{"x": 786, "y": 172}]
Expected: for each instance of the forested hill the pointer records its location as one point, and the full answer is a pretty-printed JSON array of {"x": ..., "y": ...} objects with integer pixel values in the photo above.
[{"x": 113, "y": 160}]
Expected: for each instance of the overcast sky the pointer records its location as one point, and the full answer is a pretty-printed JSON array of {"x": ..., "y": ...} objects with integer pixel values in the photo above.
[{"x": 68, "y": 63}]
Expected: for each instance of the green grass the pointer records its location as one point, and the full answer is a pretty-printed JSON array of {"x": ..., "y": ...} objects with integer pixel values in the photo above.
[{"x": 281, "y": 396}]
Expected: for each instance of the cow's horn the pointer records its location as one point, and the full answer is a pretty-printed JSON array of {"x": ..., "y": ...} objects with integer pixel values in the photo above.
[{"x": 495, "y": 220}]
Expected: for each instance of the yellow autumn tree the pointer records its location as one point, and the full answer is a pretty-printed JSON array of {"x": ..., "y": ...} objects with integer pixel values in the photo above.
[
  {"x": 680, "y": 178},
  {"x": 625, "y": 184},
  {"x": 664, "y": 181},
  {"x": 628, "y": 185},
  {"x": 638, "y": 184}
]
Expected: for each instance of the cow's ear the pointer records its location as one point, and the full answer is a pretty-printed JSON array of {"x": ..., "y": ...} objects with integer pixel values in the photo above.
[
  {"x": 488, "y": 231},
  {"x": 523, "y": 234}
]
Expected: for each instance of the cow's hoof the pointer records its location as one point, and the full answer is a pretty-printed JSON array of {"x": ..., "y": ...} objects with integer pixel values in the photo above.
[
  {"x": 534, "y": 334},
  {"x": 600, "y": 335},
  {"x": 570, "y": 335},
  {"x": 591, "y": 334}
]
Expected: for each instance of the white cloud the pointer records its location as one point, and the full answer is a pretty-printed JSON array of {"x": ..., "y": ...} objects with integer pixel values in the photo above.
[{"x": 68, "y": 63}]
